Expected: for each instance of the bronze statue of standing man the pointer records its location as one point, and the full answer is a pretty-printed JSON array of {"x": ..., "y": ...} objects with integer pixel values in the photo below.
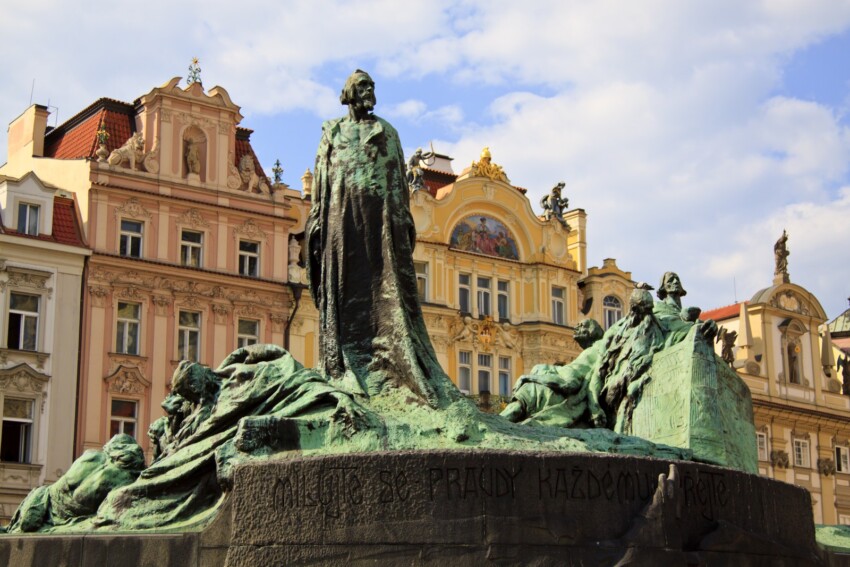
[{"x": 360, "y": 238}]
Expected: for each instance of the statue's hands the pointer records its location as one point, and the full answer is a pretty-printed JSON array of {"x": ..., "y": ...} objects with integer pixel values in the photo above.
[{"x": 707, "y": 330}]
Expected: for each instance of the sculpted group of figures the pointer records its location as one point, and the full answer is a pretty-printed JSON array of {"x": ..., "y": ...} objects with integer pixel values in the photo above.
[
  {"x": 375, "y": 360},
  {"x": 601, "y": 387}
]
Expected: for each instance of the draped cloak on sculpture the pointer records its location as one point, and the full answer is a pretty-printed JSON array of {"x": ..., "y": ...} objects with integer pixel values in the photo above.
[{"x": 360, "y": 238}]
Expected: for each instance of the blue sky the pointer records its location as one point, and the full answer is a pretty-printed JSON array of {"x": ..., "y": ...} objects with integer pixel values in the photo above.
[{"x": 692, "y": 133}]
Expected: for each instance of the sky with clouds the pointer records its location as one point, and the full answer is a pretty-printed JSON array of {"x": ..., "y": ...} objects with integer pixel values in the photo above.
[{"x": 692, "y": 133}]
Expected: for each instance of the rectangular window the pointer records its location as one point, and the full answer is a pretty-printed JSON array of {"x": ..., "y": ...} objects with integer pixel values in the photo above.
[
  {"x": 123, "y": 418},
  {"x": 28, "y": 219},
  {"x": 191, "y": 243},
  {"x": 504, "y": 375},
  {"x": 761, "y": 438},
  {"x": 16, "y": 435},
  {"x": 127, "y": 330},
  {"x": 503, "y": 300},
  {"x": 131, "y": 239},
  {"x": 249, "y": 258},
  {"x": 464, "y": 374},
  {"x": 189, "y": 336},
  {"x": 249, "y": 333},
  {"x": 842, "y": 459},
  {"x": 484, "y": 302},
  {"x": 463, "y": 293},
  {"x": 801, "y": 453},
  {"x": 421, "y": 279},
  {"x": 485, "y": 370},
  {"x": 23, "y": 322},
  {"x": 558, "y": 295}
]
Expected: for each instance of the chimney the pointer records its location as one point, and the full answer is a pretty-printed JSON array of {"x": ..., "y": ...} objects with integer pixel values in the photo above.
[{"x": 26, "y": 133}]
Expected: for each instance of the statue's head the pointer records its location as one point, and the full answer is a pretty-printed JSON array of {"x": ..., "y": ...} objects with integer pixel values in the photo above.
[
  {"x": 640, "y": 302},
  {"x": 588, "y": 331},
  {"x": 193, "y": 381},
  {"x": 124, "y": 452},
  {"x": 670, "y": 285},
  {"x": 485, "y": 154},
  {"x": 359, "y": 91}
]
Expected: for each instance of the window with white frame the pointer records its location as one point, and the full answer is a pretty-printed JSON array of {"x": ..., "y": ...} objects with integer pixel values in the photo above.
[
  {"x": 558, "y": 295},
  {"x": 503, "y": 303},
  {"x": 801, "y": 453},
  {"x": 464, "y": 371},
  {"x": 842, "y": 459},
  {"x": 464, "y": 293},
  {"x": 484, "y": 296},
  {"x": 248, "y": 332},
  {"x": 28, "y": 218},
  {"x": 16, "y": 436},
  {"x": 191, "y": 248},
  {"x": 130, "y": 242},
  {"x": 761, "y": 441},
  {"x": 485, "y": 371},
  {"x": 612, "y": 310},
  {"x": 127, "y": 329},
  {"x": 22, "y": 330},
  {"x": 504, "y": 375},
  {"x": 189, "y": 335},
  {"x": 249, "y": 258},
  {"x": 421, "y": 280},
  {"x": 122, "y": 417}
]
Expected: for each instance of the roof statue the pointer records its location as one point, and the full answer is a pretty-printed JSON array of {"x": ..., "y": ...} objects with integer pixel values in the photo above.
[
  {"x": 486, "y": 168},
  {"x": 414, "y": 168},
  {"x": 781, "y": 253}
]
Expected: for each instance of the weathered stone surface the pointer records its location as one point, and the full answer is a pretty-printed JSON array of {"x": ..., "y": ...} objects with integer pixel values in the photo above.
[
  {"x": 474, "y": 507},
  {"x": 694, "y": 401}
]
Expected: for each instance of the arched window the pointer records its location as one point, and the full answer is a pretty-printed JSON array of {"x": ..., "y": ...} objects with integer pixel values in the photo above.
[{"x": 612, "y": 310}]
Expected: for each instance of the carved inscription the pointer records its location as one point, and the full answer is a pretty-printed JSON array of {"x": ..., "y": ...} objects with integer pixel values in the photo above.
[{"x": 337, "y": 491}]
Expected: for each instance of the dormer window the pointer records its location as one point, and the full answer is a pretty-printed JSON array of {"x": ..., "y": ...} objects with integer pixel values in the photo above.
[{"x": 28, "y": 218}]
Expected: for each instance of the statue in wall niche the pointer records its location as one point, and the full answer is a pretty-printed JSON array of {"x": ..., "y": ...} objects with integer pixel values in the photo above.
[
  {"x": 193, "y": 157},
  {"x": 727, "y": 340},
  {"x": 602, "y": 385},
  {"x": 781, "y": 253},
  {"x": 843, "y": 366},
  {"x": 132, "y": 152},
  {"x": 78, "y": 493},
  {"x": 360, "y": 237},
  {"x": 554, "y": 206}
]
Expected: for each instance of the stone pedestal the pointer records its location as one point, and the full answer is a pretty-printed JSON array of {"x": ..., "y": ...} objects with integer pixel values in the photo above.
[{"x": 471, "y": 508}]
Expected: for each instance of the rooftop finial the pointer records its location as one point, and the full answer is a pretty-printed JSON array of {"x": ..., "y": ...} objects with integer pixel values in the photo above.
[
  {"x": 277, "y": 171},
  {"x": 194, "y": 72}
]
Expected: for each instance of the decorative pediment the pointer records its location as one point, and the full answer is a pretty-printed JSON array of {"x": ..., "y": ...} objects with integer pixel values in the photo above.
[
  {"x": 193, "y": 218},
  {"x": 250, "y": 229},
  {"x": 23, "y": 378},
  {"x": 26, "y": 279},
  {"x": 127, "y": 380},
  {"x": 133, "y": 208}
]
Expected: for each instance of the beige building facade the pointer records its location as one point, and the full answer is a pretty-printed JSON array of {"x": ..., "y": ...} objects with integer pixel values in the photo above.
[
  {"x": 42, "y": 257},
  {"x": 802, "y": 418},
  {"x": 189, "y": 237}
]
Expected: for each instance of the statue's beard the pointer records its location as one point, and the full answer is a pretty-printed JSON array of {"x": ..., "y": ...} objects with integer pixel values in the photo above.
[{"x": 366, "y": 104}]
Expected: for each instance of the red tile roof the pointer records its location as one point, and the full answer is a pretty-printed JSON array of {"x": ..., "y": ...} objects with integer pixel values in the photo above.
[
  {"x": 66, "y": 225},
  {"x": 243, "y": 146},
  {"x": 77, "y": 137},
  {"x": 435, "y": 179},
  {"x": 721, "y": 313}
]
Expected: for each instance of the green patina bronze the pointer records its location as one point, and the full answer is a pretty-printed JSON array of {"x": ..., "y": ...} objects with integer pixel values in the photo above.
[{"x": 378, "y": 385}]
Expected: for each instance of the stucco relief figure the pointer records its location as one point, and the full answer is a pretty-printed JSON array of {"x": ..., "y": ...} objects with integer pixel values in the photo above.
[
  {"x": 248, "y": 173},
  {"x": 193, "y": 157},
  {"x": 554, "y": 205},
  {"x": 602, "y": 385},
  {"x": 414, "y": 168},
  {"x": 78, "y": 493},
  {"x": 132, "y": 152},
  {"x": 781, "y": 253},
  {"x": 360, "y": 239}
]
